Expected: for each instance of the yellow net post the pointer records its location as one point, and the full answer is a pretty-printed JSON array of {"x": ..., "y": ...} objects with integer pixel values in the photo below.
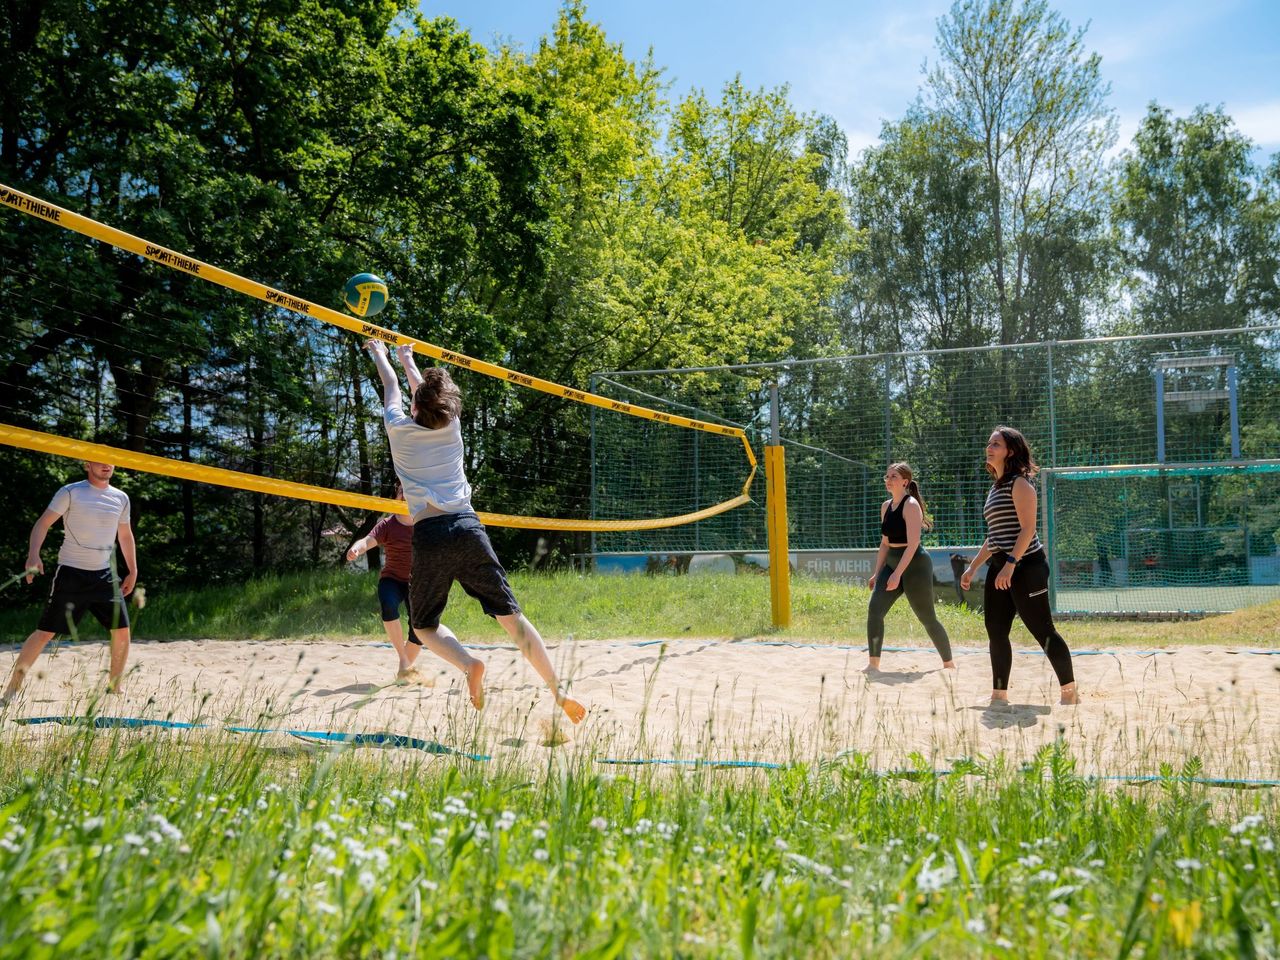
[{"x": 775, "y": 473}]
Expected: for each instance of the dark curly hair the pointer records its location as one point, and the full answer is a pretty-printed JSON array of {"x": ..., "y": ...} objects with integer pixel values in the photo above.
[
  {"x": 1018, "y": 462},
  {"x": 437, "y": 401}
]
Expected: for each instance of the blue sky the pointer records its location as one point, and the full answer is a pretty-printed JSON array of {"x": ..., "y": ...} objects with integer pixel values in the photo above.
[{"x": 860, "y": 62}]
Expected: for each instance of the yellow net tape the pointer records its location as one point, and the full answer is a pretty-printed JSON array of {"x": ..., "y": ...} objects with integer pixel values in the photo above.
[
  {"x": 182, "y": 470},
  {"x": 33, "y": 206}
]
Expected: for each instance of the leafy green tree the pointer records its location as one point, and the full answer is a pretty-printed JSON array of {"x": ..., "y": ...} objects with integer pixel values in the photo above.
[
  {"x": 1199, "y": 225},
  {"x": 1025, "y": 100}
]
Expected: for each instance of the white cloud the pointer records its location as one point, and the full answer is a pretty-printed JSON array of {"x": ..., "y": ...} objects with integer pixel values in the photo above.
[
  {"x": 1260, "y": 122},
  {"x": 862, "y": 79}
]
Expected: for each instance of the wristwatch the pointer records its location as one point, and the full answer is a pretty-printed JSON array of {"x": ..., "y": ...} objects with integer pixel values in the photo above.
[{"x": 1012, "y": 560}]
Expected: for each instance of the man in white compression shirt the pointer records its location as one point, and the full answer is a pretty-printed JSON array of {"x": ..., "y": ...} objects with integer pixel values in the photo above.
[{"x": 94, "y": 514}]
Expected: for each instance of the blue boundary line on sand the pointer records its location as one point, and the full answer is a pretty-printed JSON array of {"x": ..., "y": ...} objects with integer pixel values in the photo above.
[
  {"x": 1240, "y": 783},
  {"x": 1253, "y": 651},
  {"x": 430, "y": 746},
  {"x": 354, "y": 739}
]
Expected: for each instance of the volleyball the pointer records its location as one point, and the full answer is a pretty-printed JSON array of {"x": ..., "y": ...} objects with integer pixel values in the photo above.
[{"x": 365, "y": 295}]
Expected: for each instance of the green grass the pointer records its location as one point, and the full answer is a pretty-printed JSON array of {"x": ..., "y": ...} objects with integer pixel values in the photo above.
[
  {"x": 335, "y": 603},
  {"x": 206, "y": 844},
  {"x": 179, "y": 845}
]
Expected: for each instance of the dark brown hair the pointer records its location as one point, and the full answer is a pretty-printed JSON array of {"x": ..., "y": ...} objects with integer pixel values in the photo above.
[
  {"x": 437, "y": 401},
  {"x": 1018, "y": 462},
  {"x": 904, "y": 470}
]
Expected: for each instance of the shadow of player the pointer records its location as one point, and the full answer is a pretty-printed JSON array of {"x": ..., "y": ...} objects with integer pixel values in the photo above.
[{"x": 1002, "y": 716}]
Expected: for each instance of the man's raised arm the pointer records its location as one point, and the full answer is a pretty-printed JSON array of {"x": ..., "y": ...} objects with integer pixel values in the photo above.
[
  {"x": 390, "y": 382},
  {"x": 404, "y": 353}
]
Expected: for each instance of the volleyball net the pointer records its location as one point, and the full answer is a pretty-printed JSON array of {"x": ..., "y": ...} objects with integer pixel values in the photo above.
[
  {"x": 126, "y": 351},
  {"x": 1158, "y": 454}
]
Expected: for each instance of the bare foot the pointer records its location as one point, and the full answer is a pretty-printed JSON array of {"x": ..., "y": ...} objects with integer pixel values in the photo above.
[
  {"x": 948, "y": 665},
  {"x": 1069, "y": 695},
  {"x": 873, "y": 665},
  {"x": 409, "y": 675},
  {"x": 573, "y": 709},
  {"x": 475, "y": 683}
]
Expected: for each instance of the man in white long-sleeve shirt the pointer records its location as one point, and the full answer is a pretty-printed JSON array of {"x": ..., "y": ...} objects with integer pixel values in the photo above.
[{"x": 94, "y": 515}]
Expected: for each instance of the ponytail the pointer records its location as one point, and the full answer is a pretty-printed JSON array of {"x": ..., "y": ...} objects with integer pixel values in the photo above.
[
  {"x": 904, "y": 470},
  {"x": 926, "y": 521}
]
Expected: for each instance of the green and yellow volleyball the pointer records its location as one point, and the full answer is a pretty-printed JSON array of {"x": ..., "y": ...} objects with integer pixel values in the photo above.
[{"x": 365, "y": 295}]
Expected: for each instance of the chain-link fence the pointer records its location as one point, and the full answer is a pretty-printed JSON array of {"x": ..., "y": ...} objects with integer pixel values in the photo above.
[{"x": 1192, "y": 399}]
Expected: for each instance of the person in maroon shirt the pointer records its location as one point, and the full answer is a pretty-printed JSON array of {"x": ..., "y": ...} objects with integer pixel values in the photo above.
[{"x": 394, "y": 534}]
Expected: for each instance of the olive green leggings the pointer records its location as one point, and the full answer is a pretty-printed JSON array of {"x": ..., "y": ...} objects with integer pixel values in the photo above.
[{"x": 917, "y": 584}]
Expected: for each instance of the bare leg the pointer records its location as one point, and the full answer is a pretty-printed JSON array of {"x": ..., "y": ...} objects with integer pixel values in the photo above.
[
  {"x": 407, "y": 652},
  {"x": 1069, "y": 694},
  {"x": 119, "y": 654},
  {"x": 873, "y": 664},
  {"x": 529, "y": 641},
  {"x": 26, "y": 657},
  {"x": 442, "y": 642}
]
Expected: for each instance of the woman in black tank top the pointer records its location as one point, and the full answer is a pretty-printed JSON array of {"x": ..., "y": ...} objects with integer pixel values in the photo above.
[
  {"x": 902, "y": 567},
  {"x": 1018, "y": 576}
]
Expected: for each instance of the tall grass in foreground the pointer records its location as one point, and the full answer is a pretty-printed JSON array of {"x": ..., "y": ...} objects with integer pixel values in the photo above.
[
  {"x": 115, "y": 844},
  {"x": 336, "y": 603}
]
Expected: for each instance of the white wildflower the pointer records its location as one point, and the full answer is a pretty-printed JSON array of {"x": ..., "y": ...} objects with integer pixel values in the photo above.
[
  {"x": 165, "y": 827},
  {"x": 540, "y": 855},
  {"x": 1188, "y": 864},
  {"x": 1250, "y": 822},
  {"x": 598, "y": 823},
  {"x": 367, "y": 881},
  {"x": 929, "y": 880},
  {"x": 976, "y": 925},
  {"x": 324, "y": 907}
]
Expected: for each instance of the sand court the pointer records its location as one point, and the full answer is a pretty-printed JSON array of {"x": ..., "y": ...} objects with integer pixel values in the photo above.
[{"x": 692, "y": 699}]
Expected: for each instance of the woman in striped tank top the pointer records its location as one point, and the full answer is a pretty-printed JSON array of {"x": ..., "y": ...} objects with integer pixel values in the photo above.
[{"x": 1018, "y": 575}]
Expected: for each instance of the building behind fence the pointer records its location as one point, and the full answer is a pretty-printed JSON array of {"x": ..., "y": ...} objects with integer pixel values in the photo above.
[{"x": 1160, "y": 488}]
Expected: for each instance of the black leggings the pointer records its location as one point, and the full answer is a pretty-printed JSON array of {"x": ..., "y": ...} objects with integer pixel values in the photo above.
[
  {"x": 1028, "y": 597},
  {"x": 917, "y": 584}
]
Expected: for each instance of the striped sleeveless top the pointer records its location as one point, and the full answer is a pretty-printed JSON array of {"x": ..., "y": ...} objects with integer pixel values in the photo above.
[{"x": 1001, "y": 515}]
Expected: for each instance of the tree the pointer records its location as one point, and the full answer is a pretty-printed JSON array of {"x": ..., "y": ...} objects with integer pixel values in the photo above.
[
  {"x": 1199, "y": 225},
  {"x": 1021, "y": 96}
]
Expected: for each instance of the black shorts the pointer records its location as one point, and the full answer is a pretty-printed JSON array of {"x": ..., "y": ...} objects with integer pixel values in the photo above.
[
  {"x": 455, "y": 547},
  {"x": 75, "y": 592}
]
